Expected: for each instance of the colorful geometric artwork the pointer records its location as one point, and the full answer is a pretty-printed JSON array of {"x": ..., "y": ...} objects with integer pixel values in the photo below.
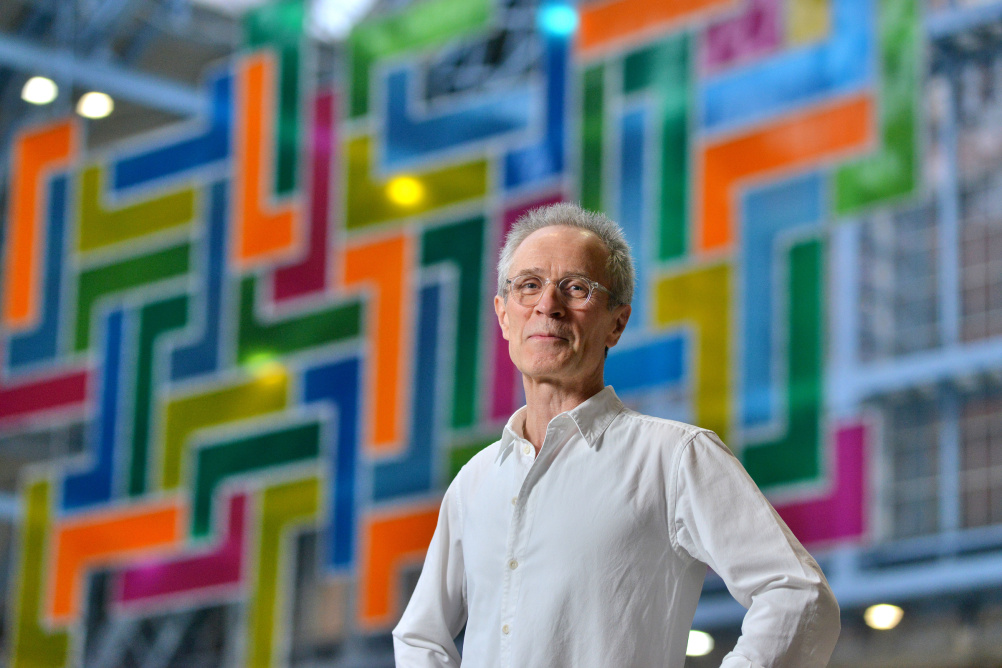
[{"x": 276, "y": 321}]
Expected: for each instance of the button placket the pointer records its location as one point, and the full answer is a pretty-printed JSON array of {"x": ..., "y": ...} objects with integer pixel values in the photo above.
[
  {"x": 519, "y": 529},
  {"x": 528, "y": 473}
]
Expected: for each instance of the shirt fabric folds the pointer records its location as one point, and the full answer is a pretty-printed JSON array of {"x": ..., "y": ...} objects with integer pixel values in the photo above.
[{"x": 593, "y": 553}]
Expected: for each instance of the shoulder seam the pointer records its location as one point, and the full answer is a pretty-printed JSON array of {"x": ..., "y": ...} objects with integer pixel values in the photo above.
[
  {"x": 690, "y": 429},
  {"x": 677, "y": 459}
]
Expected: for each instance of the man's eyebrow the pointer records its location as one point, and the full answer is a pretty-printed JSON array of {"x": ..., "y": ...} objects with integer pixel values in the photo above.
[{"x": 536, "y": 271}]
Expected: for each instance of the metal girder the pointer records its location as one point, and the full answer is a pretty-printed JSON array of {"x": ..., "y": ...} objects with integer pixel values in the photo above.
[
  {"x": 950, "y": 22},
  {"x": 119, "y": 82},
  {"x": 10, "y": 507}
]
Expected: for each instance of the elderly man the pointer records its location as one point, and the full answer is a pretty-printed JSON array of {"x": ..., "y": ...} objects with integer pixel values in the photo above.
[{"x": 582, "y": 537}]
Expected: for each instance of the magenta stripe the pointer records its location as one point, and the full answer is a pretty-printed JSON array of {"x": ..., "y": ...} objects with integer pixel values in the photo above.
[
  {"x": 310, "y": 275},
  {"x": 190, "y": 574},
  {"x": 739, "y": 39},
  {"x": 841, "y": 514}
]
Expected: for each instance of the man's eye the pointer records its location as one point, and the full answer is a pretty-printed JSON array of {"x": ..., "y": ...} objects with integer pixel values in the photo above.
[
  {"x": 576, "y": 288},
  {"x": 528, "y": 284}
]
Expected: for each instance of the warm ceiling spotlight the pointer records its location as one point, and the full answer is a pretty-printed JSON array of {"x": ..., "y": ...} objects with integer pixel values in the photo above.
[
  {"x": 405, "y": 190},
  {"x": 700, "y": 644},
  {"x": 95, "y": 105},
  {"x": 39, "y": 90},
  {"x": 883, "y": 616}
]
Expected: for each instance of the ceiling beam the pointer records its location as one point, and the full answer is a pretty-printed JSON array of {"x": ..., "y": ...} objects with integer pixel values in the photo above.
[{"x": 119, "y": 82}]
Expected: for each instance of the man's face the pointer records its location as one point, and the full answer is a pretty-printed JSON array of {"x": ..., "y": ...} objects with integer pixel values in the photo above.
[{"x": 550, "y": 341}]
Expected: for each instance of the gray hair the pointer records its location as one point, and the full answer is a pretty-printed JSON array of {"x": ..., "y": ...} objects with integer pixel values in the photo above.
[{"x": 619, "y": 264}]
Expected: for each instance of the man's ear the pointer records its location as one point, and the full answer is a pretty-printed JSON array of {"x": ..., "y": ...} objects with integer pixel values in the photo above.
[
  {"x": 502, "y": 313},
  {"x": 622, "y": 317}
]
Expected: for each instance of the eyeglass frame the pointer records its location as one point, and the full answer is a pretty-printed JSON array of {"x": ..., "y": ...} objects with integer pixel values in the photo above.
[{"x": 592, "y": 287}]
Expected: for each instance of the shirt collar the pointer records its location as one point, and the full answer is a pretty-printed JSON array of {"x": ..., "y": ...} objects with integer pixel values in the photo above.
[{"x": 592, "y": 417}]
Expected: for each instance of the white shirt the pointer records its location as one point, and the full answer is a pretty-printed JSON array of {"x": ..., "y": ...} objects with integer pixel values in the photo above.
[{"x": 593, "y": 553}]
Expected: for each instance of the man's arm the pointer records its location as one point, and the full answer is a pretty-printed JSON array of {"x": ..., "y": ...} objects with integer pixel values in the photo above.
[
  {"x": 436, "y": 613},
  {"x": 722, "y": 519}
]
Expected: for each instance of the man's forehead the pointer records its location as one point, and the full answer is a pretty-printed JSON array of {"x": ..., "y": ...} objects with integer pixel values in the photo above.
[{"x": 559, "y": 241}]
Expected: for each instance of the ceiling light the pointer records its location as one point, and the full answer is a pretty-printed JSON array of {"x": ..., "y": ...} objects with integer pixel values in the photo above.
[
  {"x": 558, "y": 19},
  {"x": 700, "y": 644},
  {"x": 95, "y": 105},
  {"x": 39, "y": 90},
  {"x": 883, "y": 616},
  {"x": 332, "y": 20},
  {"x": 405, "y": 190}
]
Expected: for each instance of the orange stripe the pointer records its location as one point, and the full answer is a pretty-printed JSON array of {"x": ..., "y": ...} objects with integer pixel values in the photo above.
[
  {"x": 385, "y": 264},
  {"x": 800, "y": 140},
  {"x": 106, "y": 538},
  {"x": 604, "y": 24},
  {"x": 391, "y": 541},
  {"x": 262, "y": 232},
  {"x": 35, "y": 153}
]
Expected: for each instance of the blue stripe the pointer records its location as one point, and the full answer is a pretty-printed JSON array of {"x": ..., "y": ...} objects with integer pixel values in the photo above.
[
  {"x": 338, "y": 383},
  {"x": 767, "y": 214},
  {"x": 93, "y": 486},
  {"x": 188, "y": 152},
  {"x": 413, "y": 472},
  {"x": 844, "y": 63}
]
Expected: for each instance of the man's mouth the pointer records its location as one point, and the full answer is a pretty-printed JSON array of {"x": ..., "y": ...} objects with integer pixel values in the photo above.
[{"x": 546, "y": 336}]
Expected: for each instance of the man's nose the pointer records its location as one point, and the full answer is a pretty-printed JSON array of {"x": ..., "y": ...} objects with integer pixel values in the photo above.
[{"x": 550, "y": 301}]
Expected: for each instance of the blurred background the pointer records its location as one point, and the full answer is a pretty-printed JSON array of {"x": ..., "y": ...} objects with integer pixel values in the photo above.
[{"x": 246, "y": 335}]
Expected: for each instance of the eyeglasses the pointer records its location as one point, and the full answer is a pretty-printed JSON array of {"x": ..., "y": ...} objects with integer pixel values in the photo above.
[{"x": 576, "y": 291}]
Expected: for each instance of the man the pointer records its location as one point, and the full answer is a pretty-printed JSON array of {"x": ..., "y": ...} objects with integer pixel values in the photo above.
[{"x": 582, "y": 537}]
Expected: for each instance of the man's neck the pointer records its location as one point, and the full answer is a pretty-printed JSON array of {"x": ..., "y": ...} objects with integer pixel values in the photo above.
[{"x": 545, "y": 400}]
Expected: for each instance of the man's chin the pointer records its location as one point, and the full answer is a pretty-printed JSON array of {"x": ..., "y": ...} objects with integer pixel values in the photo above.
[{"x": 547, "y": 368}]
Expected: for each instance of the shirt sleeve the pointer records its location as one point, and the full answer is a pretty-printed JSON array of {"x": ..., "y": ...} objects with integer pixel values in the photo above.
[
  {"x": 436, "y": 613},
  {"x": 722, "y": 519}
]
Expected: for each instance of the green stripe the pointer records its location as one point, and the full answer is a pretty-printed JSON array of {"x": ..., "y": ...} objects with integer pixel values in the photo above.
[
  {"x": 795, "y": 457},
  {"x": 133, "y": 273},
  {"x": 462, "y": 245},
  {"x": 156, "y": 318},
  {"x": 422, "y": 25},
  {"x": 592, "y": 136},
  {"x": 280, "y": 26},
  {"x": 308, "y": 330},
  {"x": 220, "y": 461},
  {"x": 664, "y": 69},
  {"x": 893, "y": 170}
]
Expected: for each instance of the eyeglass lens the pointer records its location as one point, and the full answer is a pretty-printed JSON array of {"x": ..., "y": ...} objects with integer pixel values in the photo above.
[{"x": 575, "y": 290}]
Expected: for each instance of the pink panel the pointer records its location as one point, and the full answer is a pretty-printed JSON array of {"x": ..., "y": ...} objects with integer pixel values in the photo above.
[
  {"x": 188, "y": 576},
  {"x": 310, "y": 275},
  {"x": 755, "y": 32},
  {"x": 841, "y": 515},
  {"x": 24, "y": 399}
]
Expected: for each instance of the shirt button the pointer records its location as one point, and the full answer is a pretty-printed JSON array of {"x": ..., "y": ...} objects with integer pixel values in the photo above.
[
  {"x": 512, "y": 564},
  {"x": 527, "y": 450},
  {"x": 505, "y": 629},
  {"x": 514, "y": 500}
]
